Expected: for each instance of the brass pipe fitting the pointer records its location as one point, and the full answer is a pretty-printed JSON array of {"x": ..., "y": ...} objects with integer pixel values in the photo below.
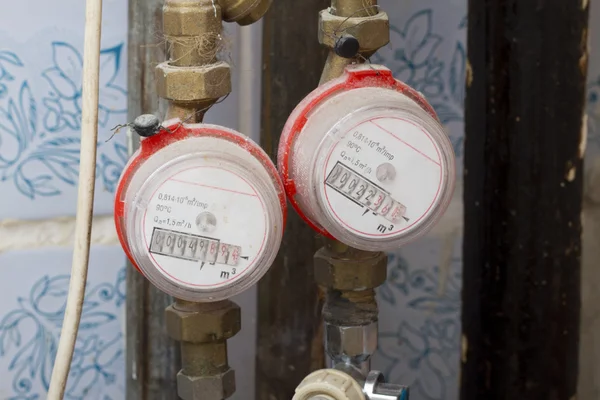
[
  {"x": 349, "y": 269},
  {"x": 244, "y": 12},
  {"x": 188, "y": 84},
  {"x": 193, "y": 79},
  {"x": 202, "y": 330},
  {"x": 372, "y": 32},
  {"x": 349, "y": 277},
  {"x": 193, "y": 31},
  {"x": 354, "y": 8}
]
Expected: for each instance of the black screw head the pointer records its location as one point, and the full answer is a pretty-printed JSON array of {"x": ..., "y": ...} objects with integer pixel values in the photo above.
[
  {"x": 146, "y": 125},
  {"x": 347, "y": 46}
]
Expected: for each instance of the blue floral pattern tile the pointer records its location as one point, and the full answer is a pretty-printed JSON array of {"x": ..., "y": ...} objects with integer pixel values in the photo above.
[
  {"x": 419, "y": 318},
  {"x": 63, "y": 106},
  {"x": 40, "y": 122},
  {"x": 431, "y": 58},
  {"x": 31, "y": 316}
]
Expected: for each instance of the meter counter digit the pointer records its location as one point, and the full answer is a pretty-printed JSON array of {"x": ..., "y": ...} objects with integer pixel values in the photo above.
[
  {"x": 193, "y": 248},
  {"x": 364, "y": 193}
]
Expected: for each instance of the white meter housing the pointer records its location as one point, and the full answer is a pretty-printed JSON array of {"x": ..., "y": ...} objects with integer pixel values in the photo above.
[
  {"x": 365, "y": 160},
  {"x": 200, "y": 211}
]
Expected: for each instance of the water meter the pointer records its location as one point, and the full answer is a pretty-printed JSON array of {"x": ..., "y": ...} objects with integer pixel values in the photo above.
[
  {"x": 365, "y": 160},
  {"x": 200, "y": 211}
]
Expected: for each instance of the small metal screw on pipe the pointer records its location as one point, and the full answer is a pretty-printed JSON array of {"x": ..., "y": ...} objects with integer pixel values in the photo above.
[{"x": 351, "y": 21}]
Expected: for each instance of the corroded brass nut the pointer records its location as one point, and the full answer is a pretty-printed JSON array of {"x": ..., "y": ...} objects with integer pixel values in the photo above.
[
  {"x": 205, "y": 326},
  {"x": 191, "y": 19},
  {"x": 193, "y": 83},
  {"x": 372, "y": 32},
  {"x": 349, "y": 274},
  {"x": 219, "y": 386}
]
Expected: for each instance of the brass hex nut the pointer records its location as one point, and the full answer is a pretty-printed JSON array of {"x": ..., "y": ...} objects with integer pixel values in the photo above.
[
  {"x": 372, "y": 32},
  {"x": 188, "y": 84},
  {"x": 190, "y": 19},
  {"x": 219, "y": 386},
  {"x": 349, "y": 274},
  {"x": 203, "y": 326}
]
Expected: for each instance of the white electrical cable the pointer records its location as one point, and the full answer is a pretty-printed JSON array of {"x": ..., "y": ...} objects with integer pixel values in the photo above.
[{"x": 85, "y": 200}]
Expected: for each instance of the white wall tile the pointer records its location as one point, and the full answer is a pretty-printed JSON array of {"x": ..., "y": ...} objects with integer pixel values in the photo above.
[
  {"x": 40, "y": 106},
  {"x": 34, "y": 287}
]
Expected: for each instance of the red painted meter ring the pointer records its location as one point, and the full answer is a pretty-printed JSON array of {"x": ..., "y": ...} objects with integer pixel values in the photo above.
[
  {"x": 173, "y": 133},
  {"x": 352, "y": 79}
]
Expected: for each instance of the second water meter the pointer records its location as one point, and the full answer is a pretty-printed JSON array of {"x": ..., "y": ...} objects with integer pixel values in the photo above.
[{"x": 365, "y": 160}]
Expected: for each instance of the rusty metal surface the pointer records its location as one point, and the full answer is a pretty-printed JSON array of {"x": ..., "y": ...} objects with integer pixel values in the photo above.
[{"x": 152, "y": 359}]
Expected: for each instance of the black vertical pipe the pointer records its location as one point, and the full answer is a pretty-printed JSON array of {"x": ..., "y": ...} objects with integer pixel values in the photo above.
[
  {"x": 153, "y": 358},
  {"x": 289, "y": 340},
  {"x": 523, "y": 198}
]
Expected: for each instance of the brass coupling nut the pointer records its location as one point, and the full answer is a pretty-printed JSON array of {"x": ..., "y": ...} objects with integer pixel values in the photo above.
[
  {"x": 203, "y": 326},
  {"x": 334, "y": 272},
  {"x": 244, "y": 12},
  {"x": 372, "y": 32},
  {"x": 190, "y": 84},
  {"x": 219, "y": 386},
  {"x": 191, "y": 18}
]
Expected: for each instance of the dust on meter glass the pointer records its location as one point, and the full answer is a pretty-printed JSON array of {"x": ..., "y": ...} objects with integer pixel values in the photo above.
[
  {"x": 200, "y": 211},
  {"x": 365, "y": 160}
]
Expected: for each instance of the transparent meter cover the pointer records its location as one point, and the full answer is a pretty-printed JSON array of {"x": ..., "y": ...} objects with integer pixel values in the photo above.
[
  {"x": 203, "y": 211},
  {"x": 366, "y": 161}
]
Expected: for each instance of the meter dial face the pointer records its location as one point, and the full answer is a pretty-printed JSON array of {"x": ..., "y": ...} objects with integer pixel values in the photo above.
[
  {"x": 205, "y": 227},
  {"x": 383, "y": 177}
]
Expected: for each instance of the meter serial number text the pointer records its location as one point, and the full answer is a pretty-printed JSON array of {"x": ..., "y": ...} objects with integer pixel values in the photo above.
[{"x": 194, "y": 248}]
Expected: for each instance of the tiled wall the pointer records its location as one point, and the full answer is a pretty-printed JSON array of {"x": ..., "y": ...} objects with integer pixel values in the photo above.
[
  {"x": 420, "y": 303},
  {"x": 40, "y": 110}
]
